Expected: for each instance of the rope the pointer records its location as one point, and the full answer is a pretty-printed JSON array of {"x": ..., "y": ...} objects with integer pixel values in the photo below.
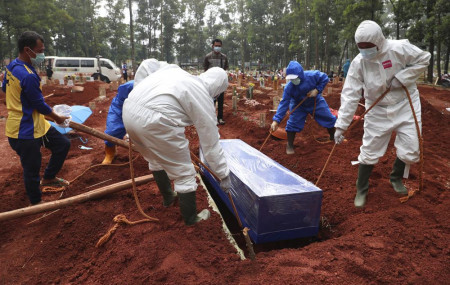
[
  {"x": 51, "y": 189},
  {"x": 310, "y": 132},
  {"x": 349, "y": 128},
  {"x": 420, "y": 138},
  {"x": 121, "y": 217},
  {"x": 284, "y": 118}
]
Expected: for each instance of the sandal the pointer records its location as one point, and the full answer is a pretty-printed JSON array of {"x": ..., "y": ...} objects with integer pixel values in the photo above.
[{"x": 59, "y": 182}]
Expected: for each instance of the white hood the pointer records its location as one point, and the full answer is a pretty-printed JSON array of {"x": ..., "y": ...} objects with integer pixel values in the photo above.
[
  {"x": 370, "y": 32},
  {"x": 215, "y": 80},
  {"x": 146, "y": 68}
]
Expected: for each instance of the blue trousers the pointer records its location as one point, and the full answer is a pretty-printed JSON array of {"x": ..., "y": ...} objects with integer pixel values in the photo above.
[
  {"x": 322, "y": 115},
  {"x": 114, "y": 126},
  {"x": 29, "y": 151}
]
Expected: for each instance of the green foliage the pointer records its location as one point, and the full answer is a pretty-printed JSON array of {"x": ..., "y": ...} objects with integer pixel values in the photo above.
[{"x": 266, "y": 33}]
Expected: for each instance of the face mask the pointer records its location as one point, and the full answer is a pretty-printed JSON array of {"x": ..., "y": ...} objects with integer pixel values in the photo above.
[
  {"x": 40, "y": 57},
  {"x": 295, "y": 81},
  {"x": 369, "y": 52},
  {"x": 217, "y": 49}
]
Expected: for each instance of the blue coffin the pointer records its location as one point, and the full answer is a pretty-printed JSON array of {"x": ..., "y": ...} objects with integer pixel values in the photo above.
[{"x": 273, "y": 202}]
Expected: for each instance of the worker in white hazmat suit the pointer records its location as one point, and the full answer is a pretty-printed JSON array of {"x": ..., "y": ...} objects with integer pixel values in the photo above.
[
  {"x": 114, "y": 122},
  {"x": 155, "y": 116},
  {"x": 383, "y": 64}
]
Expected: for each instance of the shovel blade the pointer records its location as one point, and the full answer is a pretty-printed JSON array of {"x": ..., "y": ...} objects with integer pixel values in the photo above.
[{"x": 280, "y": 133}]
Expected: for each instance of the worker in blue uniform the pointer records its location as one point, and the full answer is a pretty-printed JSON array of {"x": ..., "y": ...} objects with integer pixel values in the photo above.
[{"x": 303, "y": 84}]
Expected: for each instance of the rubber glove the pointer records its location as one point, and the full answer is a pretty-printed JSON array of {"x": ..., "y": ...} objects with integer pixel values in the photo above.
[
  {"x": 395, "y": 83},
  {"x": 313, "y": 93},
  {"x": 338, "y": 136},
  {"x": 274, "y": 126},
  {"x": 225, "y": 184}
]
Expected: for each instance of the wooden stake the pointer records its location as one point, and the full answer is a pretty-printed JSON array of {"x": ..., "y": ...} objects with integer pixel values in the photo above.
[
  {"x": 234, "y": 101},
  {"x": 262, "y": 120},
  {"x": 94, "y": 194}
]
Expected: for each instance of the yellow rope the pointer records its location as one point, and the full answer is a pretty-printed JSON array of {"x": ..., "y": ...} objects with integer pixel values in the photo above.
[
  {"x": 349, "y": 128},
  {"x": 121, "y": 218},
  {"x": 51, "y": 189},
  {"x": 420, "y": 138}
]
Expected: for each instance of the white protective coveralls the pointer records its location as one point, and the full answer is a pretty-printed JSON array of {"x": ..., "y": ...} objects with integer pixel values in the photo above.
[
  {"x": 157, "y": 112},
  {"x": 146, "y": 68},
  {"x": 395, "y": 58}
]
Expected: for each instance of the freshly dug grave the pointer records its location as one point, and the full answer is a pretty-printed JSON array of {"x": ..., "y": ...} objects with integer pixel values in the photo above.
[{"x": 387, "y": 242}]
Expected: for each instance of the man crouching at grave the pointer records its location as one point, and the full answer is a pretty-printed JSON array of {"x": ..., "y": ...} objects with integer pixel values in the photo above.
[
  {"x": 307, "y": 86},
  {"x": 155, "y": 116}
]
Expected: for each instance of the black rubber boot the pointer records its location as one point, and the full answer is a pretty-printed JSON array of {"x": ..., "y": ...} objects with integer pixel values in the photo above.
[
  {"x": 188, "y": 208},
  {"x": 165, "y": 188},
  {"x": 331, "y": 131},
  {"x": 290, "y": 143},
  {"x": 362, "y": 185},
  {"x": 397, "y": 175}
]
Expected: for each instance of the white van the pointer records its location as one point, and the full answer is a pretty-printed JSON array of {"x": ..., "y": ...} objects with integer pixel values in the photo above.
[{"x": 96, "y": 67}]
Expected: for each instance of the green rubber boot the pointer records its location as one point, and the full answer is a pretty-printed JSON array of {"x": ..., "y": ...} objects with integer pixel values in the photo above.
[
  {"x": 290, "y": 143},
  {"x": 165, "y": 188},
  {"x": 188, "y": 209},
  {"x": 362, "y": 185},
  {"x": 397, "y": 175}
]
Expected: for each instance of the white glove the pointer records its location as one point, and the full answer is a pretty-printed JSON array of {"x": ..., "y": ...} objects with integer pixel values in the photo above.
[
  {"x": 338, "y": 136},
  {"x": 274, "y": 126},
  {"x": 313, "y": 93},
  {"x": 225, "y": 184},
  {"x": 395, "y": 83}
]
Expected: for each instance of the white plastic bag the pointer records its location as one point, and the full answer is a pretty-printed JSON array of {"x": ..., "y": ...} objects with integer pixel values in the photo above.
[{"x": 64, "y": 111}]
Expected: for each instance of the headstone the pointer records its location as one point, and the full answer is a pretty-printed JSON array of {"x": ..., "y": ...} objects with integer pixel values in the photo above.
[
  {"x": 61, "y": 82},
  {"x": 234, "y": 101},
  {"x": 102, "y": 92},
  {"x": 276, "y": 102},
  {"x": 70, "y": 82},
  {"x": 262, "y": 120},
  {"x": 92, "y": 105},
  {"x": 44, "y": 80}
]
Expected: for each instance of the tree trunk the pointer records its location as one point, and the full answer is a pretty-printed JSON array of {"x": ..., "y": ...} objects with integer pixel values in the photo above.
[
  {"x": 342, "y": 56},
  {"x": 430, "y": 6},
  {"x": 8, "y": 32},
  {"x": 438, "y": 51},
  {"x": 327, "y": 56},
  {"x": 131, "y": 35},
  {"x": 307, "y": 37},
  {"x": 447, "y": 57},
  {"x": 316, "y": 34}
]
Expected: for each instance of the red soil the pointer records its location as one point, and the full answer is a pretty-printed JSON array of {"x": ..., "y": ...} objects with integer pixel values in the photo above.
[{"x": 387, "y": 242}]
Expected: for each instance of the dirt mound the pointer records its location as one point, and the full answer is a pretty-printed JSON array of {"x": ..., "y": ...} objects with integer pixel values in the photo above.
[{"x": 387, "y": 242}]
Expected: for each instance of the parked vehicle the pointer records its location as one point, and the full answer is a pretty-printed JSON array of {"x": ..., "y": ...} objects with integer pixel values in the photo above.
[{"x": 96, "y": 67}]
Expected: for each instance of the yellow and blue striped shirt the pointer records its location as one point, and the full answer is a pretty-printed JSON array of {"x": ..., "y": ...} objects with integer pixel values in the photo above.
[{"x": 24, "y": 101}]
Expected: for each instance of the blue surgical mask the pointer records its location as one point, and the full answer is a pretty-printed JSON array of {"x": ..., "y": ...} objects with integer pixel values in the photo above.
[
  {"x": 40, "y": 57},
  {"x": 296, "y": 81},
  {"x": 368, "y": 53},
  {"x": 217, "y": 49}
]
